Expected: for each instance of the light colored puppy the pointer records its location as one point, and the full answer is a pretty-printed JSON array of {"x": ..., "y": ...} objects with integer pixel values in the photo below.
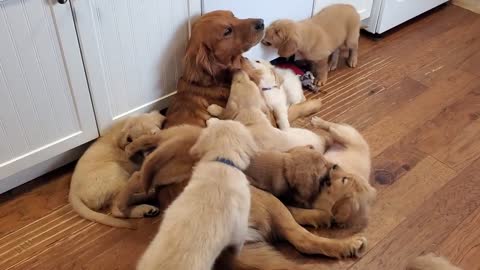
[
  {"x": 104, "y": 170},
  {"x": 211, "y": 214},
  {"x": 280, "y": 88},
  {"x": 347, "y": 194},
  {"x": 250, "y": 114},
  {"x": 318, "y": 38},
  {"x": 430, "y": 262}
]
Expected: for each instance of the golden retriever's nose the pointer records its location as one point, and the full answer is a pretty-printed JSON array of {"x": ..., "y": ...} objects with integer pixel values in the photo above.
[{"x": 259, "y": 25}]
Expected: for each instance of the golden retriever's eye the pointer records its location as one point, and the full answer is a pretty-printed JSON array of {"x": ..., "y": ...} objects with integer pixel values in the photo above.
[
  {"x": 228, "y": 31},
  {"x": 344, "y": 180},
  {"x": 257, "y": 61},
  {"x": 129, "y": 139}
]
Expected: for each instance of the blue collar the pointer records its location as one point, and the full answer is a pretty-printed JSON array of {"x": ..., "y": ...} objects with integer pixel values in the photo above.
[{"x": 226, "y": 161}]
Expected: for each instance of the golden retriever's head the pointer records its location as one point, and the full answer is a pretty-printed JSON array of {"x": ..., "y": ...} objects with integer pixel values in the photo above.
[
  {"x": 305, "y": 170},
  {"x": 217, "y": 42},
  {"x": 351, "y": 194},
  {"x": 282, "y": 35},
  {"x": 225, "y": 139},
  {"x": 136, "y": 126}
]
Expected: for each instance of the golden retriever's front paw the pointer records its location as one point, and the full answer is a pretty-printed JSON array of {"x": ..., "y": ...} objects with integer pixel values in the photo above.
[
  {"x": 215, "y": 110},
  {"x": 355, "y": 246}
]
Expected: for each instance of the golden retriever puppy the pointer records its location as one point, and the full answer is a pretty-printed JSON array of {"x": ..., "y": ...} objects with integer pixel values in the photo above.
[
  {"x": 170, "y": 162},
  {"x": 211, "y": 214},
  {"x": 430, "y": 262},
  {"x": 316, "y": 38},
  {"x": 104, "y": 170},
  {"x": 293, "y": 175},
  {"x": 247, "y": 106},
  {"x": 280, "y": 89},
  {"x": 347, "y": 194}
]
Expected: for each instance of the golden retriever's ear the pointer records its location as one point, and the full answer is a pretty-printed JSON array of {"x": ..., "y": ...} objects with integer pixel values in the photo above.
[{"x": 197, "y": 62}]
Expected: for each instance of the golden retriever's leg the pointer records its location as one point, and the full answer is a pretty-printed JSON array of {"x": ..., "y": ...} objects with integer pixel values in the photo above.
[
  {"x": 311, "y": 217},
  {"x": 333, "y": 61},
  {"x": 285, "y": 226},
  {"x": 304, "y": 109},
  {"x": 321, "y": 72},
  {"x": 121, "y": 206},
  {"x": 334, "y": 129}
]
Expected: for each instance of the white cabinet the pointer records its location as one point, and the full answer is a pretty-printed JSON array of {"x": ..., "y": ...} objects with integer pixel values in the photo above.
[
  {"x": 132, "y": 52},
  {"x": 45, "y": 106},
  {"x": 271, "y": 10},
  {"x": 363, "y": 7}
]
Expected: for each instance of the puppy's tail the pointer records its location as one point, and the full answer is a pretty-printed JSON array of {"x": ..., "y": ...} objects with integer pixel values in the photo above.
[
  {"x": 87, "y": 213},
  {"x": 430, "y": 262},
  {"x": 261, "y": 256}
]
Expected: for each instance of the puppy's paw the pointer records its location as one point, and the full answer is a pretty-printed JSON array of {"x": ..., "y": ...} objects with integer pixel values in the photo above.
[
  {"x": 319, "y": 122},
  {"x": 214, "y": 110},
  {"x": 144, "y": 210},
  {"x": 352, "y": 62},
  {"x": 332, "y": 66}
]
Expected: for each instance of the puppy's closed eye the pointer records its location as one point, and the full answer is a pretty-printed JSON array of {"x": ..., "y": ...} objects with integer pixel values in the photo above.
[
  {"x": 129, "y": 139},
  {"x": 344, "y": 180}
]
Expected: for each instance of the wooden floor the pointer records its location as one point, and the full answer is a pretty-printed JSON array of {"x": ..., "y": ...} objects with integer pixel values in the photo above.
[{"x": 416, "y": 98}]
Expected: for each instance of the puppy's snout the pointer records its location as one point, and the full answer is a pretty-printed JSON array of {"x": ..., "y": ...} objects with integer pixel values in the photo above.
[{"x": 259, "y": 25}]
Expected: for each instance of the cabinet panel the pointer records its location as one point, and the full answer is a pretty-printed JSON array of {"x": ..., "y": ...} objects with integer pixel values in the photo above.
[
  {"x": 45, "y": 107},
  {"x": 268, "y": 10},
  {"x": 132, "y": 51},
  {"x": 363, "y": 7}
]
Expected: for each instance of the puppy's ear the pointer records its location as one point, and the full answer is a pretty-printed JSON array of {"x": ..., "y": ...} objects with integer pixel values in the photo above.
[
  {"x": 288, "y": 48},
  {"x": 345, "y": 209},
  {"x": 157, "y": 118},
  {"x": 278, "y": 78}
]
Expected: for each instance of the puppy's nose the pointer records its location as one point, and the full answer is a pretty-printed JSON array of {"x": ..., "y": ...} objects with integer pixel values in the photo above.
[{"x": 259, "y": 25}]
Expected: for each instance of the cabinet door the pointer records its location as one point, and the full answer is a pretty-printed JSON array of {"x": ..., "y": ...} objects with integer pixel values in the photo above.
[
  {"x": 45, "y": 106},
  {"x": 132, "y": 51},
  {"x": 268, "y": 10},
  {"x": 363, "y": 7}
]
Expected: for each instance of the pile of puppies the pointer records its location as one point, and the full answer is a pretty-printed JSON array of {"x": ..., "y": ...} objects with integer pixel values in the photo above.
[{"x": 221, "y": 165}]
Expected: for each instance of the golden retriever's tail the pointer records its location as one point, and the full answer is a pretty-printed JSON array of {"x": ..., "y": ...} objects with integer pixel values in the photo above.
[
  {"x": 430, "y": 262},
  {"x": 261, "y": 256},
  {"x": 87, "y": 213}
]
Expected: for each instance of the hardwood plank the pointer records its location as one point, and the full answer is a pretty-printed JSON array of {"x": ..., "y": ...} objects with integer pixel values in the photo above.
[
  {"x": 424, "y": 107},
  {"x": 427, "y": 227},
  {"x": 462, "y": 246}
]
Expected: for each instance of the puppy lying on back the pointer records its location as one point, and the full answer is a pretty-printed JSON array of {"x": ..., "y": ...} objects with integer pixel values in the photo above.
[
  {"x": 347, "y": 195},
  {"x": 280, "y": 88},
  {"x": 211, "y": 214},
  {"x": 294, "y": 175},
  {"x": 316, "y": 38},
  {"x": 104, "y": 170},
  {"x": 246, "y": 105}
]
